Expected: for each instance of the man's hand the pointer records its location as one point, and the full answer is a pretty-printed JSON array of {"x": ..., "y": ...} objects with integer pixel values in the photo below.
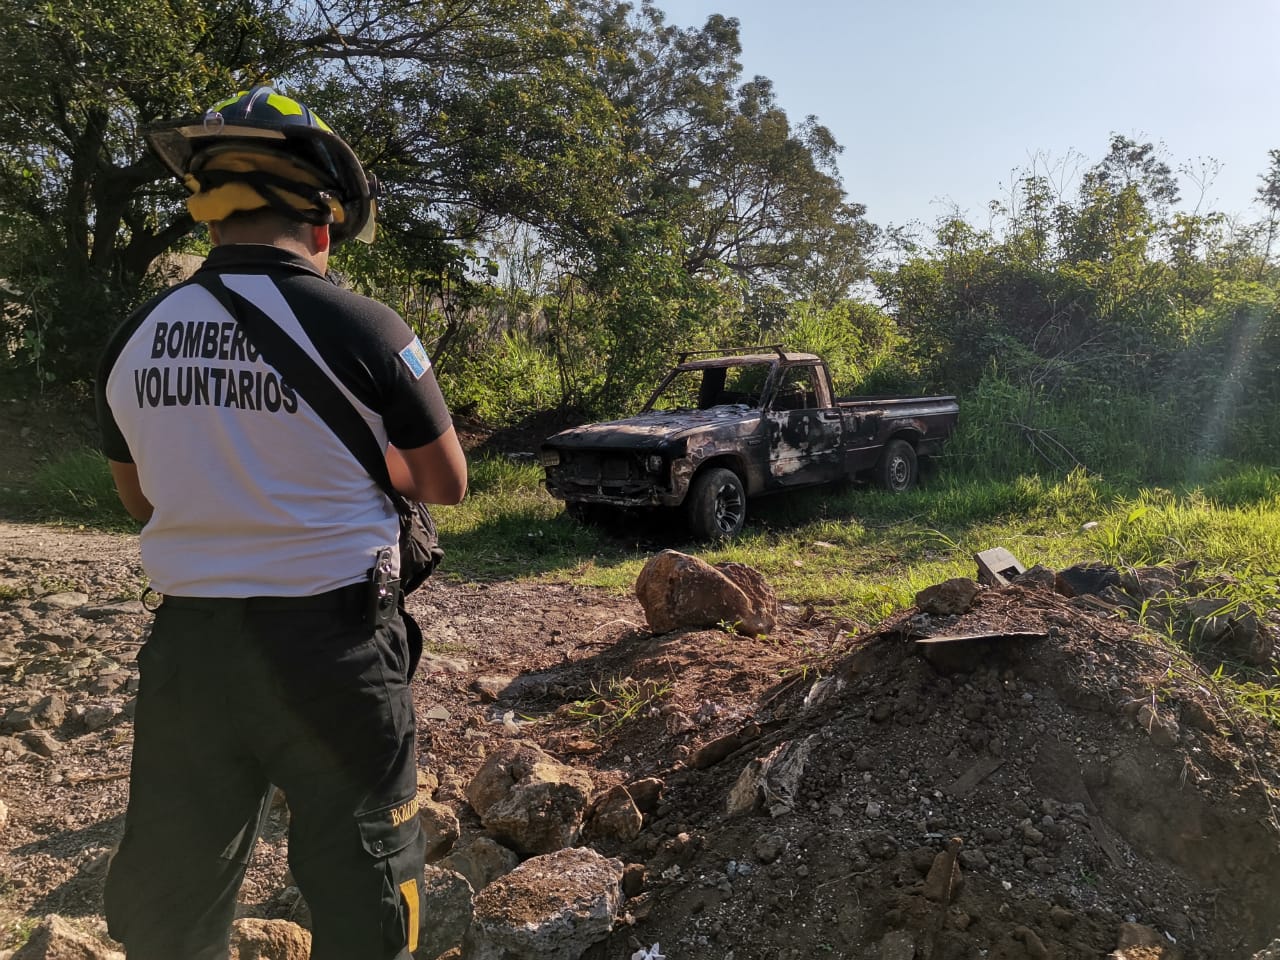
[
  {"x": 434, "y": 473},
  {"x": 129, "y": 490}
]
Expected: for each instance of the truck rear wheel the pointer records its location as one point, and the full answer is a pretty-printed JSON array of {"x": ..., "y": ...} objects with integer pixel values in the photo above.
[
  {"x": 717, "y": 505},
  {"x": 898, "y": 468}
]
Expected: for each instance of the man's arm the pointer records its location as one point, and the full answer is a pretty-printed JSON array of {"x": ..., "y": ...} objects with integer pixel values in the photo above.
[
  {"x": 130, "y": 491},
  {"x": 433, "y": 473}
]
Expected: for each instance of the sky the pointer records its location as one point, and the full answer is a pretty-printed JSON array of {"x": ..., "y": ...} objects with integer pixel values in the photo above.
[{"x": 937, "y": 104}]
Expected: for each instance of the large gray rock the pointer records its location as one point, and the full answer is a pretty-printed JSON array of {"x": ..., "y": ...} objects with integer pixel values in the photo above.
[
  {"x": 616, "y": 816},
  {"x": 680, "y": 592},
  {"x": 440, "y": 828},
  {"x": 1084, "y": 579},
  {"x": 1038, "y": 577},
  {"x": 253, "y": 939},
  {"x": 764, "y": 602},
  {"x": 1233, "y": 628},
  {"x": 1150, "y": 583},
  {"x": 68, "y": 600},
  {"x": 47, "y": 713},
  {"x": 446, "y": 911},
  {"x": 528, "y": 800},
  {"x": 56, "y": 939},
  {"x": 40, "y": 742},
  {"x": 549, "y": 908},
  {"x": 481, "y": 861},
  {"x": 646, "y": 793}
]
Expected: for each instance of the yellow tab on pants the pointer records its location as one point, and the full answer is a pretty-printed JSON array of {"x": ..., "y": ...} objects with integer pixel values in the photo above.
[{"x": 409, "y": 890}]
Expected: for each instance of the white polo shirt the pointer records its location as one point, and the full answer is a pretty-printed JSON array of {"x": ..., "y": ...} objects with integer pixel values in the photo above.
[{"x": 254, "y": 495}]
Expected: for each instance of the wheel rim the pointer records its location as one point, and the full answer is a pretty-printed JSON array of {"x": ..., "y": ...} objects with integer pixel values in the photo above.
[
  {"x": 728, "y": 508},
  {"x": 899, "y": 472}
]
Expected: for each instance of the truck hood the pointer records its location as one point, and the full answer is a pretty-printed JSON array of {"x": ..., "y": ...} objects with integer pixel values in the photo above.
[{"x": 648, "y": 431}]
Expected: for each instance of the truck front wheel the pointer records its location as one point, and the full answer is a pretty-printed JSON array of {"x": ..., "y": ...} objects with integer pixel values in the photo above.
[
  {"x": 898, "y": 468},
  {"x": 717, "y": 505}
]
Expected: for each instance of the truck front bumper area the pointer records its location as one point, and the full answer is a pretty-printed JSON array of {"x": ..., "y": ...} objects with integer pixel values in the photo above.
[{"x": 608, "y": 482}]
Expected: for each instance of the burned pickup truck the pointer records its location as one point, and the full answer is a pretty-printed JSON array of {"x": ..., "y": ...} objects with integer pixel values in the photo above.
[{"x": 742, "y": 423}]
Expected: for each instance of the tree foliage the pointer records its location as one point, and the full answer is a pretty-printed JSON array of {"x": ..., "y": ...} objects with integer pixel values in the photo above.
[
  {"x": 595, "y": 127},
  {"x": 84, "y": 209},
  {"x": 574, "y": 190},
  {"x": 1110, "y": 303},
  {"x": 752, "y": 193}
]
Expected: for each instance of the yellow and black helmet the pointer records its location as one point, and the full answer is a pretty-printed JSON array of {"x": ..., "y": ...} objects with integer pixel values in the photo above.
[{"x": 262, "y": 149}]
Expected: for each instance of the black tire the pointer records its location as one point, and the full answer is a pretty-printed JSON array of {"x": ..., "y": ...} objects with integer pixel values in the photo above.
[
  {"x": 716, "y": 507},
  {"x": 898, "y": 468}
]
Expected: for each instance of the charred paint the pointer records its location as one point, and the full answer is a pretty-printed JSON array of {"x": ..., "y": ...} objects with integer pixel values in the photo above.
[
  {"x": 610, "y": 462},
  {"x": 647, "y": 429},
  {"x": 800, "y": 444}
]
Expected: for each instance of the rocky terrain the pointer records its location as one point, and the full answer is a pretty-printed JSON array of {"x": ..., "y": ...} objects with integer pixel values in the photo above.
[{"x": 1009, "y": 771}]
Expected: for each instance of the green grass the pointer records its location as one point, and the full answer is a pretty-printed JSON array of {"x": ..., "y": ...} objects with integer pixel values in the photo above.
[
  {"x": 857, "y": 551},
  {"x": 75, "y": 489},
  {"x": 863, "y": 553},
  {"x": 616, "y": 701},
  {"x": 1259, "y": 701}
]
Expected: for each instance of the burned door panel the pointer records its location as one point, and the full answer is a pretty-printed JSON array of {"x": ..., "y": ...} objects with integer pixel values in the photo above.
[{"x": 805, "y": 430}]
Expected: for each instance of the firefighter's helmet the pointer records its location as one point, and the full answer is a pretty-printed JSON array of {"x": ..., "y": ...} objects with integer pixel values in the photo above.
[{"x": 262, "y": 149}]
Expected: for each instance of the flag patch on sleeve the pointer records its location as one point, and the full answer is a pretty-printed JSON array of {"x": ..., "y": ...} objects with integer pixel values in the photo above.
[{"x": 416, "y": 359}]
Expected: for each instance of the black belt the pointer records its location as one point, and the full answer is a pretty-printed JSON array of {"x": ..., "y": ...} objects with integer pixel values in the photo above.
[{"x": 351, "y": 598}]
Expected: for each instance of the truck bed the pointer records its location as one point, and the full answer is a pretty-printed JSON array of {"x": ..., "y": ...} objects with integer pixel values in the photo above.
[{"x": 872, "y": 421}]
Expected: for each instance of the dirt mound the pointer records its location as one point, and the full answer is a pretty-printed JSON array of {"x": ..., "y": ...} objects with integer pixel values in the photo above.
[
  {"x": 811, "y": 779},
  {"x": 1073, "y": 818},
  {"x": 1094, "y": 777}
]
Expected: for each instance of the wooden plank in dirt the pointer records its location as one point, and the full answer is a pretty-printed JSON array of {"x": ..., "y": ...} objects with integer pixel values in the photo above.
[
  {"x": 1002, "y": 635},
  {"x": 981, "y": 769},
  {"x": 1102, "y": 834}
]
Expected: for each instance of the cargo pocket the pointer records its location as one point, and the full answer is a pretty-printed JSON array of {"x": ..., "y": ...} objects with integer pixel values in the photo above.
[
  {"x": 392, "y": 643},
  {"x": 392, "y": 835}
]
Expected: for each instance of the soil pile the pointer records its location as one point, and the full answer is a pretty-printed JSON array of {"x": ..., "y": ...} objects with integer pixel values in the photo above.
[{"x": 1092, "y": 780}]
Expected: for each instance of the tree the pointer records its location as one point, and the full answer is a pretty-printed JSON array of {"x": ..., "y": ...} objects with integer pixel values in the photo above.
[
  {"x": 1269, "y": 194},
  {"x": 629, "y": 150},
  {"x": 752, "y": 194},
  {"x": 469, "y": 111},
  {"x": 88, "y": 205}
]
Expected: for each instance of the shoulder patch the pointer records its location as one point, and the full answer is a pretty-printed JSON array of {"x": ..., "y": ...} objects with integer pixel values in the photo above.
[{"x": 416, "y": 359}]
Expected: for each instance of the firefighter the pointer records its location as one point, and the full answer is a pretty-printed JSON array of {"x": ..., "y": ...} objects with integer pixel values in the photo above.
[{"x": 261, "y": 532}]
